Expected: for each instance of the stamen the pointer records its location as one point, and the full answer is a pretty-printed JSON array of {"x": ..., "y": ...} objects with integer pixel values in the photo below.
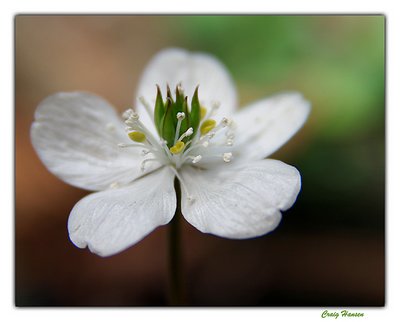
[
  {"x": 225, "y": 122},
  {"x": 229, "y": 138},
  {"x": 210, "y": 124},
  {"x": 189, "y": 132},
  {"x": 180, "y": 116},
  {"x": 134, "y": 124},
  {"x": 214, "y": 107},
  {"x": 187, "y": 147},
  {"x": 127, "y": 114},
  {"x": 203, "y": 112},
  {"x": 230, "y": 135},
  {"x": 163, "y": 144},
  {"x": 229, "y": 142},
  {"x": 124, "y": 145},
  {"x": 147, "y": 106},
  {"x": 130, "y": 115},
  {"x": 207, "y": 126},
  {"x": 210, "y": 135},
  {"x": 143, "y": 163},
  {"x": 195, "y": 159},
  {"x": 184, "y": 188},
  {"x": 137, "y": 136},
  {"x": 177, "y": 148},
  {"x": 204, "y": 140},
  {"x": 144, "y": 152},
  {"x": 227, "y": 156}
]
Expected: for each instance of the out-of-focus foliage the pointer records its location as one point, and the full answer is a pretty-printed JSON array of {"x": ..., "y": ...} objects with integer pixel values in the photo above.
[{"x": 336, "y": 61}]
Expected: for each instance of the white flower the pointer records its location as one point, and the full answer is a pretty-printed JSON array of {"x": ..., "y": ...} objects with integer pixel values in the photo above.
[{"x": 218, "y": 154}]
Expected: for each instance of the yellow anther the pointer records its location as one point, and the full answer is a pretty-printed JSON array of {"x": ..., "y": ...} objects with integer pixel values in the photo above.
[
  {"x": 203, "y": 112},
  {"x": 137, "y": 136},
  {"x": 207, "y": 126},
  {"x": 177, "y": 148}
]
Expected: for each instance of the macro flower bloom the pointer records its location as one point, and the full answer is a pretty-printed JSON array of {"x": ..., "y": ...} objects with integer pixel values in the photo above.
[{"x": 193, "y": 133}]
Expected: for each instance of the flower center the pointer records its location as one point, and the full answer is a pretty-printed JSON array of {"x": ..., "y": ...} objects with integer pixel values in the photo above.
[{"x": 185, "y": 136}]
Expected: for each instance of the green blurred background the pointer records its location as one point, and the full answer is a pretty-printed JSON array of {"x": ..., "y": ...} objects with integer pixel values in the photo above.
[{"x": 329, "y": 248}]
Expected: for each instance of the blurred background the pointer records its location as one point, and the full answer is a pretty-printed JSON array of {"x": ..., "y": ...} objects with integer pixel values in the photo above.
[{"x": 329, "y": 249}]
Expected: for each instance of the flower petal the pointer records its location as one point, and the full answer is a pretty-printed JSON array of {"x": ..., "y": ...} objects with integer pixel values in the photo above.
[
  {"x": 76, "y": 135},
  {"x": 173, "y": 66},
  {"x": 265, "y": 126},
  {"x": 110, "y": 221},
  {"x": 240, "y": 202}
]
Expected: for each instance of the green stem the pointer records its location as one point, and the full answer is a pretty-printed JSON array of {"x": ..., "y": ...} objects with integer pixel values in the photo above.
[{"x": 176, "y": 294}]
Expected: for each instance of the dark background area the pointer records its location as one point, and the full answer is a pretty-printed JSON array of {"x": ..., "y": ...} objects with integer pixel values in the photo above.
[{"x": 329, "y": 249}]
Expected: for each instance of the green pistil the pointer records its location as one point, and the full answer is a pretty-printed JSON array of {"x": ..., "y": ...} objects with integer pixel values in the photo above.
[{"x": 165, "y": 115}]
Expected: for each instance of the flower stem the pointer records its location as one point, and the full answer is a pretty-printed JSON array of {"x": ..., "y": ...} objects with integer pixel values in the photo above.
[{"x": 176, "y": 293}]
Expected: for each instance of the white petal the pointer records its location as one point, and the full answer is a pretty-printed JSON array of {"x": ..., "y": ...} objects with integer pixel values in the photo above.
[
  {"x": 265, "y": 126},
  {"x": 173, "y": 66},
  {"x": 240, "y": 202},
  {"x": 76, "y": 135},
  {"x": 110, "y": 221}
]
